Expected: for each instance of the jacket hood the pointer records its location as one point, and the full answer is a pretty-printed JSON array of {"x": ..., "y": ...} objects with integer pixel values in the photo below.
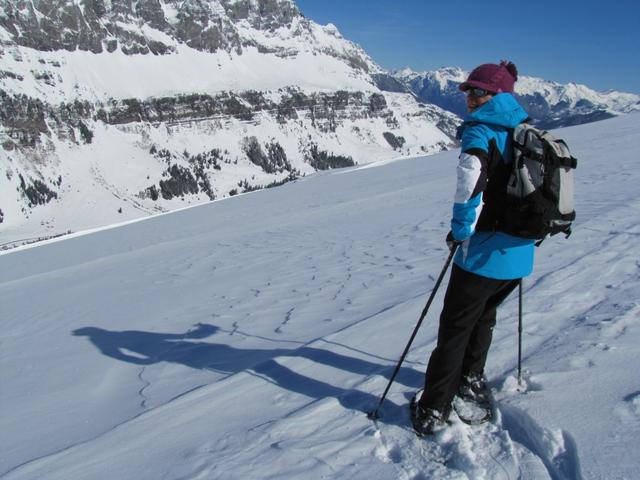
[{"x": 503, "y": 109}]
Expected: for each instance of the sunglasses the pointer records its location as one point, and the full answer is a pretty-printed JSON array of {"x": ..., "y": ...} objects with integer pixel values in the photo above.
[{"x": 478, "y": 92}]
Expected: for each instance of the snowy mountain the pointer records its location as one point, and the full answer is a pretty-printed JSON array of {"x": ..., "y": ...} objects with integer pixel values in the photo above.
[
  {"x": 247, "y": 337},
  {"x": 116, "y": 109},
  {"x": 550, "y": 104}
]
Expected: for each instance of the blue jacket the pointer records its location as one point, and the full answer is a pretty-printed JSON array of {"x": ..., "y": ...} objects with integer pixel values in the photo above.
[{"x": 490, "y": 254}]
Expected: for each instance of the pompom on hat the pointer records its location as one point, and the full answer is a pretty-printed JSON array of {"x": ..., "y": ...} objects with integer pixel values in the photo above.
[{"x": 492, "y": 77}]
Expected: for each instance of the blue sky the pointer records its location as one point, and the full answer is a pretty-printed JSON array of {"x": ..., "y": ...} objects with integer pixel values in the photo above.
[{"x": 596, "y": 43}]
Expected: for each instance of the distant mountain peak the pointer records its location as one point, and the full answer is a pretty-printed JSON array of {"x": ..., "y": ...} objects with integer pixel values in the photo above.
[
  {"x": 404, "y": 72},
  {"x": 550, "y": 104}
]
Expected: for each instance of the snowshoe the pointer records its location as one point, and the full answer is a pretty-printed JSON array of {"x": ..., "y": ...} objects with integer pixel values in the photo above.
[
  {"x": 473, "y": 388},
  {"x": 426, "y": 421},
  {"x": 473, "y": 402},
  {"x": 471, "y": 412}
]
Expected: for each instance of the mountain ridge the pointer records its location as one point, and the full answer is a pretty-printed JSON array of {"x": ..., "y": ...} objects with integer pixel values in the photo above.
[{"x": 550, "y": 104}]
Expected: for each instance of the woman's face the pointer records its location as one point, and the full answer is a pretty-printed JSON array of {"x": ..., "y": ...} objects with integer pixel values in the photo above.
[{"x": 474, "y": 100}]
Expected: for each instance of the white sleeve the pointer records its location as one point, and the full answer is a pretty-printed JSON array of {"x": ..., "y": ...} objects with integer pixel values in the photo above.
[{"x": 469, "y": 169}]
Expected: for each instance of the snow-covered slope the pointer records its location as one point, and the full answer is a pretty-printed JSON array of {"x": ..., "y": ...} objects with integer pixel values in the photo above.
[
  {"x": 131, "y": 171},
  {"x": 550, "y": 104},
  {"x": 134, "y": 108},
  {"x": 246, "y": 338}
]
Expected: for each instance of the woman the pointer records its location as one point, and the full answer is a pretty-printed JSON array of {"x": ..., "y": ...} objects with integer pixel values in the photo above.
[{"x": 489, "y": 263}]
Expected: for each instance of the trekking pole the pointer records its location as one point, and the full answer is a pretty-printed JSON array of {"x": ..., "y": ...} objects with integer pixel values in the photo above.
[
  {"x": 520, "y": 333},
  {"x": 374, "y": 413}
]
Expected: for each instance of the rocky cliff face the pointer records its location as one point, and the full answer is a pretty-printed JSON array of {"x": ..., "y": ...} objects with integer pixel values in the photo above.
[
  {"x": 159, "y": 27},
  {"x": 116, "y": 109},
  {"x": 102, "y": 25}
]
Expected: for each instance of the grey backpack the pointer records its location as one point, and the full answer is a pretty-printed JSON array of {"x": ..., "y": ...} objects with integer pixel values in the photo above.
[{"x": 539, "y": 197}]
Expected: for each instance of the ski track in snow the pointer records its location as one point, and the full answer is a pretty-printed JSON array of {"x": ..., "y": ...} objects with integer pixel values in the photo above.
[
  {"x": 99, "y": 178},
  {"x": 254, "y": 344}
]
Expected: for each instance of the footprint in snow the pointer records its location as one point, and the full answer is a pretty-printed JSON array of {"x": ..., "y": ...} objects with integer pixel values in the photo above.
[
  {"x": 633, "y": 403},
  {"x": 580, "y": 363}
]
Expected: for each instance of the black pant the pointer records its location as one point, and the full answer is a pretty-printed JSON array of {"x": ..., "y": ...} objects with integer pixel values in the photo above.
[{"x": 464, "y": 335}]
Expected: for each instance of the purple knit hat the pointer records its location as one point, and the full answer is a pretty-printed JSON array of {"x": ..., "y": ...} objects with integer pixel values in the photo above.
[{"x": 492, "y": 77}]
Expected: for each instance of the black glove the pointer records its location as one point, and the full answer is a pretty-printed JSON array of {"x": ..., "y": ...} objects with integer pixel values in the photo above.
[{"x": 452, "y": 242}]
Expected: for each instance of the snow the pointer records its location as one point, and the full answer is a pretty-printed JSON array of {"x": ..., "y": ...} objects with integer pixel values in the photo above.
[
  {"x": 101, "y": 75},
  {"x": 246, "y": 338},
  {"x": 442, "y": 76},
  {"x": 108, "y": 175}
]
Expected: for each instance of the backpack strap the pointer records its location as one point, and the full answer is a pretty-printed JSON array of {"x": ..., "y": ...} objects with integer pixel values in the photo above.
[
  {"x": 492, "y": 214},
  {"x": 556, "y": 161},
  {"x": 553, "y": 160},
  {"x": 570, "y": 162}
]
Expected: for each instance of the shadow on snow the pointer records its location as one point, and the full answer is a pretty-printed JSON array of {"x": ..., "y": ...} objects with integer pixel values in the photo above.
[{"x": 148, "y": 348}]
